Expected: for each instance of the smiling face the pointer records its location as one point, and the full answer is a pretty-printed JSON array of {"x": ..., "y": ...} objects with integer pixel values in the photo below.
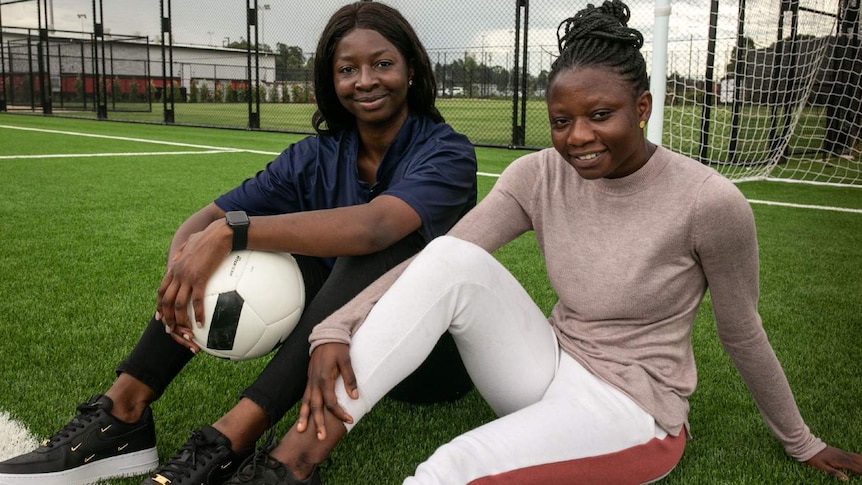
[
  {"x": 594, "y": 122},
  {"x": 371, "y": 79}
]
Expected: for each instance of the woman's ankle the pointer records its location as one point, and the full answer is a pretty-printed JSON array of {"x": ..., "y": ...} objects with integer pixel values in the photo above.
[
  {"x": 130, "y": 397},
  {"x": 301, "y": 452},
  {"x": 243, "y": 425}
]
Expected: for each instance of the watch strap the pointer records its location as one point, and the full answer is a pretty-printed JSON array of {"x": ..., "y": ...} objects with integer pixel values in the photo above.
[{"x": 238, "y": 222}]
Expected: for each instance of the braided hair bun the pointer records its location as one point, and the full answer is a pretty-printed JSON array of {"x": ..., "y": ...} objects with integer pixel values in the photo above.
[
  {"x": 600, "y": 37},
  {"x": 608, "y": 22}
]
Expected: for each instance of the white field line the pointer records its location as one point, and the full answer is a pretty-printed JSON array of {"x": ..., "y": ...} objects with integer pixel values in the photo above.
[
  {"x": 14, "y": 438},
  {"x": 814, "y": 182},
  {"x": 140, "y": 140},
  {"x": 214, "y": 149},
  {"x": 119, "y": 154},
  {"x": 806, "y": 206}
]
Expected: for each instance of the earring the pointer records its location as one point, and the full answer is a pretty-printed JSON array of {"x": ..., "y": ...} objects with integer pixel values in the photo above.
[
  {"x": 642, "y": 124},
  {"x": 410, "y": 82}
]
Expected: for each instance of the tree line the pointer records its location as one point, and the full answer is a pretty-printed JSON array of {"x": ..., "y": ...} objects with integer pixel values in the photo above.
[{"x": 473, "y": 77}]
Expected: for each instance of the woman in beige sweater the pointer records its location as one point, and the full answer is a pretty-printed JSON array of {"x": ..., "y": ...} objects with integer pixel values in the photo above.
[{"x": 632, "y": 235}]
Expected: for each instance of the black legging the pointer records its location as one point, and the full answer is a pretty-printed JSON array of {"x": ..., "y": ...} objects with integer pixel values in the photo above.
[{"x": 156, "y": 360}]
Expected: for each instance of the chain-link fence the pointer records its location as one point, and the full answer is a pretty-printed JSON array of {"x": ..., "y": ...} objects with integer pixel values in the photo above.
[{"x": 247, "y": 63}]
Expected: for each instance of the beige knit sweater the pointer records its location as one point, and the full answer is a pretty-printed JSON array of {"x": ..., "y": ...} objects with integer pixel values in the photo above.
[{"x": 630, "y": 260}]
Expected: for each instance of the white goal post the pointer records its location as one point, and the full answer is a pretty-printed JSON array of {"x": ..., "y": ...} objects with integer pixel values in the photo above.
[{"x": 772, "y": 90}]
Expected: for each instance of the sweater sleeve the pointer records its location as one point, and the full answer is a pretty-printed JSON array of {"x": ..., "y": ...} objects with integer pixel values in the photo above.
[
  {"x": 726, "y": 243},
  {"x": 509, "y": 208},
  {"x": 340, "y": 325}
]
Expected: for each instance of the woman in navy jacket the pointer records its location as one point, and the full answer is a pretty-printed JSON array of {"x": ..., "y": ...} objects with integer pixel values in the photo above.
[{"x": 383, "y": 177}]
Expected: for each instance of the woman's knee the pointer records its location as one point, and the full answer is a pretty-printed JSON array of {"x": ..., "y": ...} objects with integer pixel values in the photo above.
[
  {"x": 451, "y": 244},
  {"x": 455, "y": 256}
]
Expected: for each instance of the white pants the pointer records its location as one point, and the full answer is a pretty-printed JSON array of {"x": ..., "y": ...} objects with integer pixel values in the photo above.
[{"x": 553, "y": 411}]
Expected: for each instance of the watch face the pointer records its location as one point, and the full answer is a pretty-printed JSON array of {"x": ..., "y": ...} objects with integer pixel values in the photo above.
[{"x": 236, "y": 218}]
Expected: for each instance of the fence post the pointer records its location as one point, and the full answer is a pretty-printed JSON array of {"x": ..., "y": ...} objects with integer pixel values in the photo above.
[
  {"x": 3, "y": 80},
  {"x": 708, "y": 83},
  {"x": 44, "y": 58},
  {"x": 101, "y": 88},
  {"x": 519, "y": 79},
  {"x": 167, "y": 71},
  {"x": 253, "y": 90}
]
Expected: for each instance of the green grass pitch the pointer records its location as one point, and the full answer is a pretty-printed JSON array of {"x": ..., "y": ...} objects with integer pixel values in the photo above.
[{"x": 86, "y": 223}]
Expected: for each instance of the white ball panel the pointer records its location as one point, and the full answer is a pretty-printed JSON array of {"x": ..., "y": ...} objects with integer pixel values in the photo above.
[
  {"x": 272, "y": 285},
  {"x": 228, "y": 274},
  {"x": 274, "y": 296},
  {"x": 248, "y": 334},
  {"x": 273, "y": 334}
]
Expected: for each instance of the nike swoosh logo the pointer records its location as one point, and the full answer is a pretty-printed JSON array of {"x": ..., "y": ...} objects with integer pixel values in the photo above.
[
  {"x": 121, "y": 448},
  {"x": 224, "y": 467},
  {"x": 75, "y": 448},
  {"x": 106, "y": 428},
  {"x": 87, "y": 459}
]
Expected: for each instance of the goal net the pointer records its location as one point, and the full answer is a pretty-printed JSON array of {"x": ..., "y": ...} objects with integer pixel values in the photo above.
[{"x": 772, "y": 91}]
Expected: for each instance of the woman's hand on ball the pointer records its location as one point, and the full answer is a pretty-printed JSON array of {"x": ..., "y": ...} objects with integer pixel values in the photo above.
[
  {"x": 186, "y": 277},
  {"x": 183, "y": 336}
]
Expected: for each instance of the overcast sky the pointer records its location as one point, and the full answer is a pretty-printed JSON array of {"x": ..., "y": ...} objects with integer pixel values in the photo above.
[{"x": 443, "y": 25}]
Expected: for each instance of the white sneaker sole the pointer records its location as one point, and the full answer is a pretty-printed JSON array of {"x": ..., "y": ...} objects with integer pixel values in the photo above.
[{"x": 127, "y": 465}]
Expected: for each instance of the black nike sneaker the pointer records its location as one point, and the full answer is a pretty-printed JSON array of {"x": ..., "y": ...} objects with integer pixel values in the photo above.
[
  {"x": 92, "y": 447},
  {"x": 262, "y": 469},
  {"x": 205, "y": 458}
]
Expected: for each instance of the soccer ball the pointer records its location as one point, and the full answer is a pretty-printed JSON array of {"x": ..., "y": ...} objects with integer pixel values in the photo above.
[{"x": 252, "y": 303}]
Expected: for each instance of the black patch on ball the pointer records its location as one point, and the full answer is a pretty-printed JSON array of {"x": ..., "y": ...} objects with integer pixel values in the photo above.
[{"x": 225, "y": 321}]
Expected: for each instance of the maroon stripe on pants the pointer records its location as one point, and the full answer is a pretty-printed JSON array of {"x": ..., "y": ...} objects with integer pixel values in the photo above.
[{"x": 632, "y": 466}]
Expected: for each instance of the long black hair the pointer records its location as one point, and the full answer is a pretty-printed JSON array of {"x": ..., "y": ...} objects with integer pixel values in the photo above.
[
  {"x": 600, "y": 37},
  {"x": 331, "y": 117}
]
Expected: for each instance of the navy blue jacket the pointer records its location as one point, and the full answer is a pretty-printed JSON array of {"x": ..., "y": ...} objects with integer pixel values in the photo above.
[{"x": 429, "y": 166}]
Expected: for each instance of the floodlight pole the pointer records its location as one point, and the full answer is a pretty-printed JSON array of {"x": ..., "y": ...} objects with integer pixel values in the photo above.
[
  {"x": 83, "y": 17},
  {"x": 50, "y": 15},
  {"x": 658, "y": 76},
  {"x": 263, "y": 9}
]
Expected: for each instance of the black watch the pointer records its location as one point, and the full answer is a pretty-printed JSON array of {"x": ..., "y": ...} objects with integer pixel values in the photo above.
[{"x": 238, "y": 222}]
